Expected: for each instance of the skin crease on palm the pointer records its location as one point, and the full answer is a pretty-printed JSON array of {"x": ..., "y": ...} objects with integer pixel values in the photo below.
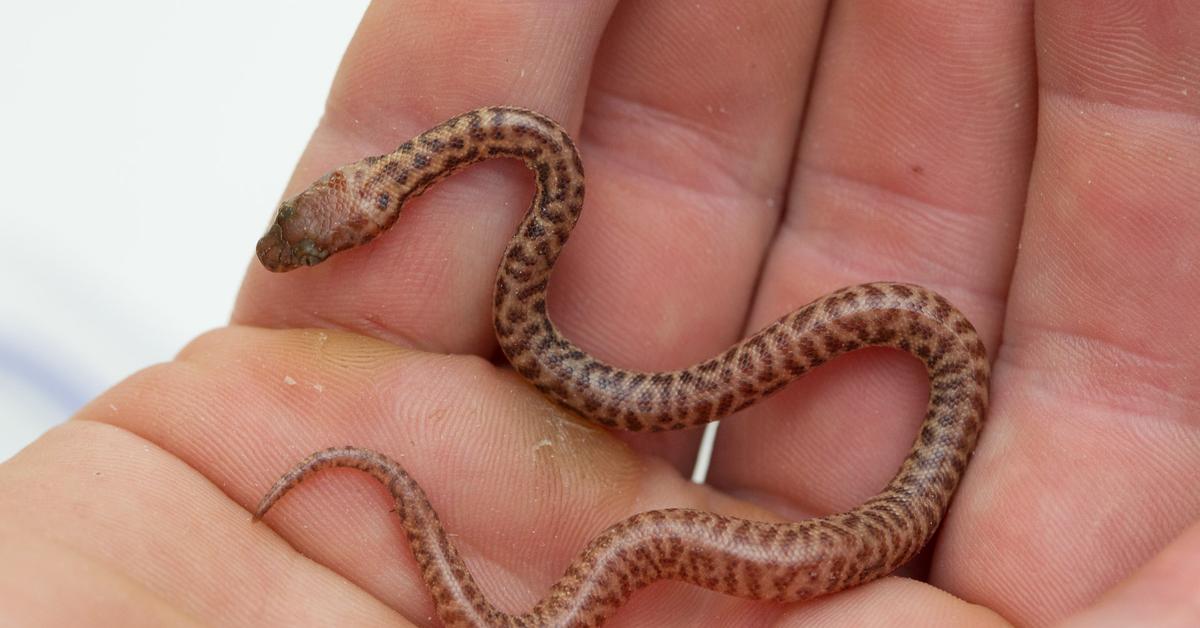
[{"x": 1036, "y": 164}]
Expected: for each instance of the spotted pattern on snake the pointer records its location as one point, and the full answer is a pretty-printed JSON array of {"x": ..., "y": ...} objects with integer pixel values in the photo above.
[{"x": 784, "y": 562}]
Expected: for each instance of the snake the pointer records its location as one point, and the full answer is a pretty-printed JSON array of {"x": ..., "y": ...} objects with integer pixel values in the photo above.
[{"x": 776, "y": 561}]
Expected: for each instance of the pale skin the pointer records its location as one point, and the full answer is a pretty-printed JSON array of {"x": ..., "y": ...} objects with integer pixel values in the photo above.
[{"x": 729, "y": 181}]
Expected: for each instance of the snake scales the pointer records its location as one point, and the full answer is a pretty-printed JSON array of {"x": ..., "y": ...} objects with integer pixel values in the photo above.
[{"x": 770, "y": 561}]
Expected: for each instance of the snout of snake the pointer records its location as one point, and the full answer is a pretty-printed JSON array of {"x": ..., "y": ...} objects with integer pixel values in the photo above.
[{"x": 783, "y": 562}]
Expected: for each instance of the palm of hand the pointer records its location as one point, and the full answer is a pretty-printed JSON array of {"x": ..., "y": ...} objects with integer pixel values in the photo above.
[{"x": 721, "y": 194}]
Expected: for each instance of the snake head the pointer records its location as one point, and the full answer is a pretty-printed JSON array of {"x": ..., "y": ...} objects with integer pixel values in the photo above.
[
  {"x": 286, "y": 245},
  {"x": 316, "y": 223}
]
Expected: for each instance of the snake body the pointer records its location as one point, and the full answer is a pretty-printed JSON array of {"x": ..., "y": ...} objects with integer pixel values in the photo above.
[{"x": 769, "y": 561}]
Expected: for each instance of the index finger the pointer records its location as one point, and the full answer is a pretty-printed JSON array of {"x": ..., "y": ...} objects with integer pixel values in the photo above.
[{"x": 410, "y": 65}]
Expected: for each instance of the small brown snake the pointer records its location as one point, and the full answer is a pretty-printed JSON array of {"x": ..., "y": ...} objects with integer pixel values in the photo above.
[{"x": 769, "y": 561}]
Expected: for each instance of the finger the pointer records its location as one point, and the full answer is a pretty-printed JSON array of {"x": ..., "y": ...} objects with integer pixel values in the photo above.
[
  {"x": 688, "y": 137},
  {"x": 1163, "y": 592},
  {"x": 895, "y": 602},
  {"x": 1093, "y": 432},
  {"x": 520, "y": 486},
  {"x": 102, "y": 527},
  {"x": 412, "y": 64},
  {"x": 911, "y": 167},
  {"x": 242, "y": 406},
  {"x": 687, "y": 163}
]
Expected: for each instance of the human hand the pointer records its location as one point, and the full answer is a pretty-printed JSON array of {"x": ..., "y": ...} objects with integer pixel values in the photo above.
[{"x": 929, "y": 152}]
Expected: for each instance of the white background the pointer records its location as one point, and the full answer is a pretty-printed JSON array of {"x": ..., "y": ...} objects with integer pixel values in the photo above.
[{"x": 143, "y": 145}]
